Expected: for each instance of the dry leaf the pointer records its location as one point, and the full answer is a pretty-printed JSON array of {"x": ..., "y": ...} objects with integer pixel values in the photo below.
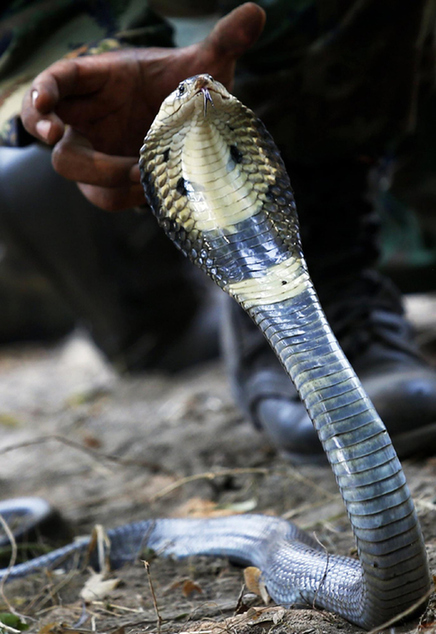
[
  {"x": 56, "y": 628},
  {"x": 254, "y": 583},
  {"x": 198, "y": 507},
  {"x": 9, "y": 420},
  {"x": 189, "y": 587},
  {"x": 241, "y": 507},
  {"x": 241, "y": 622},
  {"x": 97, "y": 587},
  {"x": 48, "y": 628},
  {"x": 275, "y": 614},
  {"x": 91, "y": 441}
]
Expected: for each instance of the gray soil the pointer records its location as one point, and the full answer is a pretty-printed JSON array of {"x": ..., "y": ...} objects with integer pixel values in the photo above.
[{"x": 105, "y": 449}]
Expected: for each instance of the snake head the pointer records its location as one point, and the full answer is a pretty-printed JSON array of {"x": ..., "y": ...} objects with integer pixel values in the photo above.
[
  {"x": 216, "y": 183},
  {"x": 193, "y": 95}
]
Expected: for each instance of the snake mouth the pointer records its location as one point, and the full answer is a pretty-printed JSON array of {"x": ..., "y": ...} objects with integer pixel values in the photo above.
[
  {"x": 205, "y": 85},
  {"x": 206, "y": 99}
]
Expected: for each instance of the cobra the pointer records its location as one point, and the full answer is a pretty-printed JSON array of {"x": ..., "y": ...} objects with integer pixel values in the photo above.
[
  {"x": 218, "y": 187},
  {"x": 215, "y": 180}
]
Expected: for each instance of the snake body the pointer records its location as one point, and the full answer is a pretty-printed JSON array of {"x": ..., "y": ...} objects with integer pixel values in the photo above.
[
  {"x": 215, "y": 180},
  {"x": 217, "y": 185}
]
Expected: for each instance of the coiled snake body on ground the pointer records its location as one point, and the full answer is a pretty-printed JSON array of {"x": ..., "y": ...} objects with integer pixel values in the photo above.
[{"x": 215, "y": 181}]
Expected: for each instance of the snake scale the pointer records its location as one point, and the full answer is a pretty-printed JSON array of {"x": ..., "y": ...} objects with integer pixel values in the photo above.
[{"x": 218, "y": 187}]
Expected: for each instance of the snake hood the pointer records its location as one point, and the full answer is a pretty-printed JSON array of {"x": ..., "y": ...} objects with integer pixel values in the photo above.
[{"x": 212, "y": 173}]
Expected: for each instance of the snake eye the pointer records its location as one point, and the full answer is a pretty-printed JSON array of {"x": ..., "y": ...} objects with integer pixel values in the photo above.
[{"x": 181, "y": 90}]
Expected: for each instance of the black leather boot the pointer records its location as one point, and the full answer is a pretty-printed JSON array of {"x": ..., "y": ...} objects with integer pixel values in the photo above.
[
  {"x": 365, "y": 311},
  {"x": 118, "y": 273},
  {"x": 31, "y": 311}
]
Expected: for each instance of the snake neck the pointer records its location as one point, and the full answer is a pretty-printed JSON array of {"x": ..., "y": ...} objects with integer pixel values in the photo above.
[{"x": 390, "y": 545}]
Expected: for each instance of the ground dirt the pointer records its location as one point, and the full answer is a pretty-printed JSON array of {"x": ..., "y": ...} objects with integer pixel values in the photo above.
[{"x": 105, "y": 449}]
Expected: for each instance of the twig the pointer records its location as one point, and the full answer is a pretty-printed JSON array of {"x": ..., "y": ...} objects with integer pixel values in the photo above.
[
  {"x": 11, "y": 564},
  {"x": 98, "y": 455},
  {"x": 153, "y": 595},
  {"x": 82, "y": 619},
  {"x": 208, "y": 475},
  {"x": 301, "y": 478},
  {"x": 324, "y": 574},
  {"x": 8, "y": 628},
  {"x": 239, "y": 602},
  {"x": 303, "y": 508},
  {"x": 110, "y": 607},
  {"x": 52, "y": 588},
  {"x": 12, "y": 561}
]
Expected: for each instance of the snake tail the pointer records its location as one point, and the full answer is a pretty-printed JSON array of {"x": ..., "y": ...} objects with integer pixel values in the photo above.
[{"x": 215, "y": 180}]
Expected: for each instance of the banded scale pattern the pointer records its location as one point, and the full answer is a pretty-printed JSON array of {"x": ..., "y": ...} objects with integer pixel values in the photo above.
[
  {"x": 167, "y": 537},
  {"x": 243, "y": 214}
]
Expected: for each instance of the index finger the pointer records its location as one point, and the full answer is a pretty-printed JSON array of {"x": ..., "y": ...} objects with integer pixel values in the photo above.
[
  {"x": 70, "y": 77},
  {"x": 47, "y": 127},
  {"x": 62, "y": 79}
]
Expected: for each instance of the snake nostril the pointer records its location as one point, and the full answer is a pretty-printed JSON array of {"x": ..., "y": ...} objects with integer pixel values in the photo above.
[{"x": 203, "y": 81}]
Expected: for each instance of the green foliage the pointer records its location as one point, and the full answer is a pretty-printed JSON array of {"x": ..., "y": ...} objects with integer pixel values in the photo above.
[{"x": 12, "y": 620}]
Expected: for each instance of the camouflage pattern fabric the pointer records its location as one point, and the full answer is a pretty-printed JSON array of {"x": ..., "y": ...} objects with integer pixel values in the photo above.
[
  {"x": 33, "y": 35},
  {"x": 340, "y": 78},
  {"x": 330, "y": 78}
]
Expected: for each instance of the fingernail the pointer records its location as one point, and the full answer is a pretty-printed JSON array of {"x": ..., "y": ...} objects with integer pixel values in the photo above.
[
  {"x": 43, "y": 128},
  {"x": 35, "y": 94}
]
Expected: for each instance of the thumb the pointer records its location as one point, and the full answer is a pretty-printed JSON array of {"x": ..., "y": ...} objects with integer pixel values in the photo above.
[{"x": 234, "y": 34}]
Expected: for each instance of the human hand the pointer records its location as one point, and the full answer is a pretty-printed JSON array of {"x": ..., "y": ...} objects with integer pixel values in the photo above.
[{"x": 96, "y": 110}]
